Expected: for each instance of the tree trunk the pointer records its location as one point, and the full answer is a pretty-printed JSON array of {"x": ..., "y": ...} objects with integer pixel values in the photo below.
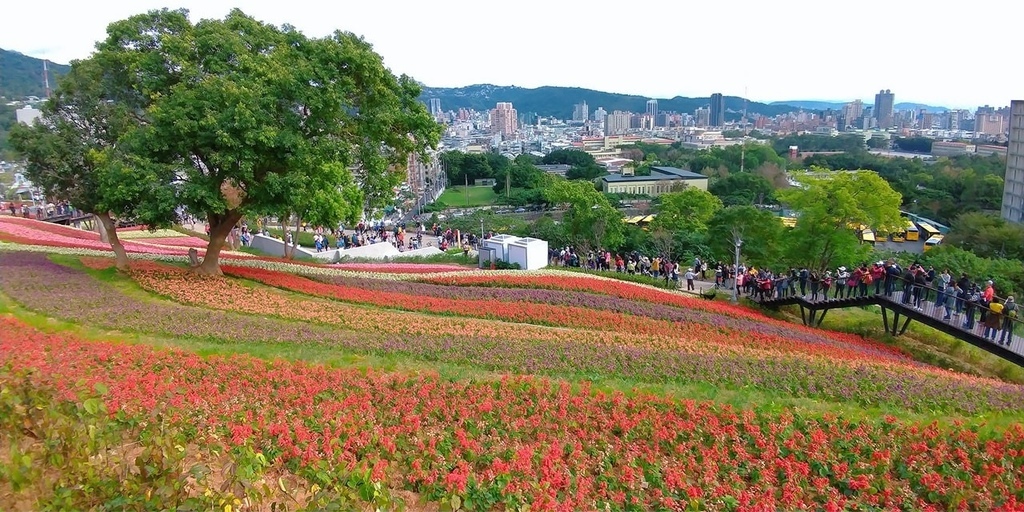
[
  {"x": 295, "y": 237},
  {"x": 108, "y": 232},
  {"x": 220, "y": 228}
]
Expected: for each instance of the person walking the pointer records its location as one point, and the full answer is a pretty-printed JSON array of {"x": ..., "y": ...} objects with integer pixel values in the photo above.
[
  {"x": 1010, "y": 313},
  {"x": 993, "y": 320},
  {"x": 689, "y": 276}
]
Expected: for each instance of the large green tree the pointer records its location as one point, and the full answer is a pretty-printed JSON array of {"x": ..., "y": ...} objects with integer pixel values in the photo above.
[
  {"x": 688, "y": 210},
  {"x": 73, "y": 155},
  {"x": 590, "y": 221},
  {"x": 987, "y": 235},
  {"x": 247, "y": 109},
  {"x": 760, "y": 230},
  {"x": 743, "y": 188},
  {"x": 831, "y": 207}
]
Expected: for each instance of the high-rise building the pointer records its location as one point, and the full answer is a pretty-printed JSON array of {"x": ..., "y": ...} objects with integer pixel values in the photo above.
[
  {"x": 702, "y": 116},
  {"x": 617, "y": 123},
  {"x": 852, "y": 111},
  {"x": 1013, "y": 183},
  {"x": 987, "y": 122},
  {"x": 504, "y": 119},
  {"x": 717, "y": 117},
  {"x": 652, "y": 108},
  {"x": 435, "y": 107},
  {"x": 884, "y": 102},
  {"x": 599, "y": 114},
  {"x": 954, "y": 118},
  {"x": 580, "y": 112}
]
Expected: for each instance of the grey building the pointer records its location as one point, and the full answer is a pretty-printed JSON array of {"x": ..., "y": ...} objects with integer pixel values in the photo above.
[
  {"x": 717, "y": 117},
  {"x": 1013, "y": 185},
  {"x": 884, "y": 101}
]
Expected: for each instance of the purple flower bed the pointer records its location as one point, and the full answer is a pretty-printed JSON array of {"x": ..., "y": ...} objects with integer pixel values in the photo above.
[
  {"x": 603, "y": 302},
  {"x": 38, "y": 284}
]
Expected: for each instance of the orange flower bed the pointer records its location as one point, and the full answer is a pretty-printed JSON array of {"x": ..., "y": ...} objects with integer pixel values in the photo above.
[{"x": 633, "y": 291}]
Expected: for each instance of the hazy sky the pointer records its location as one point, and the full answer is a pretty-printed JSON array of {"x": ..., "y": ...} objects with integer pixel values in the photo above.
[{"x": 942, "y": 53}]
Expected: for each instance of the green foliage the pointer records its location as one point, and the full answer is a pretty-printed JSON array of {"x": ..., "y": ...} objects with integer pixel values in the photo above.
[
  {"x": 878, "y": 143},
  {"x": 914, "y": 144},
  {"x": 74, "y": 155},
  {"x": 809, "y": 142},
  {"x": 462, "y": 197},
  {"x": 733, "y": 158},
  {"x": 1006, "y": 274},
  {"x": 762, "y": 233},
  {"x": 987, "y": 236},
  {"x": 264, "y": 109},
  {"x": 584, "y": 167},
  {"x": 831, "y": 208},
  {"x": 743, "y": 189},
  {"x": 21, "y": 75},
  {"x": 687, "y": 211},
  {"x": 501, "y": 265},
  {"x": 591, "y": 222},
  {"x": 941, "y": 190}
]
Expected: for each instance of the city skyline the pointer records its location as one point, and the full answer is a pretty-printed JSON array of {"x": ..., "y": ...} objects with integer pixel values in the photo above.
[{"x": 438, "y": 44}]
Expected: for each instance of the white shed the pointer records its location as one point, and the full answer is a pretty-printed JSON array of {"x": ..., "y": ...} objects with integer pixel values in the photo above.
[
  {"x": 529, "y": 253},
  {"x": 500, "y": 243}
]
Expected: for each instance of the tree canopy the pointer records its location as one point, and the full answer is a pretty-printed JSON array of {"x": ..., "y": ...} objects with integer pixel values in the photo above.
[
  {"x": 591, "y": 222},
  {"x": 247, "y": 110},
  {"x": 72, "y": 155},
  {"x": 831, "y": 206},
  {"x": 761, "y": 231},
  {"x": 686, "y": 211}
]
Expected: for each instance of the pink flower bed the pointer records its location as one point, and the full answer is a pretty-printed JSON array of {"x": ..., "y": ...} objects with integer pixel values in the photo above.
[
  {"x": 400, "y": 268},
  {"x": 48, "y": 227},
  {"x": 53, "y": 235},
  {"x": 176, "y": 241}
]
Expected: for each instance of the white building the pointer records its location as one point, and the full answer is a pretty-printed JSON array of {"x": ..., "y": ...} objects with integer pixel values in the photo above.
[{"x": 28, "y": 115}]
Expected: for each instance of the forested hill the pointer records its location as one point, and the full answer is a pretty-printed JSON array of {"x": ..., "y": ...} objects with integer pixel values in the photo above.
[
  {"x": 559, "y": 101},
  {"x": 21, "y": 75}
]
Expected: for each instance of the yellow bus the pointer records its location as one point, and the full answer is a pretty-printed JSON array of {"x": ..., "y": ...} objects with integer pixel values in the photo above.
[
  {"x": 789, "y": 222},
  {"x": 912, "y": 234},
  {"x": 867, "y": 236},
  {"x": 932, "y": 242},
  {"x": 928, "y": 230}
]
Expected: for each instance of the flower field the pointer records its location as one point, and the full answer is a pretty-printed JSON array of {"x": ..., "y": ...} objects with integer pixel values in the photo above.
[
  {"x": 522, "y": 441},
  {"x": 505, "y": 397}
]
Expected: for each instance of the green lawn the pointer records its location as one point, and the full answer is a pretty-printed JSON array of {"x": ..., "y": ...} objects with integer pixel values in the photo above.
[{"x": 477, "y": 196}]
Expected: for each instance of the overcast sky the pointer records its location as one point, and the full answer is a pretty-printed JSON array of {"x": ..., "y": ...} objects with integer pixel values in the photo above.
[{"x": 942, "y": 53}]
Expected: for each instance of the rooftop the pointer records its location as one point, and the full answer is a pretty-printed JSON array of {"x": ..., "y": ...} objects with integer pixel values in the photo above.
[{"x": 659, "y": 174}]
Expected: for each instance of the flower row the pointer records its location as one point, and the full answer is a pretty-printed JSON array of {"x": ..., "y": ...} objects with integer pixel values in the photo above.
[
  {"x": 522, "y": 442},
  {"x": 62, "y": 292},
  {"x": 590, "y": 300},
  {"x": 686, "y": 329}
]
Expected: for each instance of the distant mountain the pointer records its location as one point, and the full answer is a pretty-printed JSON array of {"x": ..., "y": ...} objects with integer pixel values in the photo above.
[
  {"x": 21, "y": 75},
  {"x": 837, "y": 105},
  {"x": 559, "y": 101}
]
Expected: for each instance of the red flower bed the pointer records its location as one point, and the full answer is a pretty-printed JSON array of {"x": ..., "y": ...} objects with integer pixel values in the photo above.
[
  {"x": 632, "y": 291},
  {"x": 522, "y": 441},
  {"x": 557, "y": 315}
]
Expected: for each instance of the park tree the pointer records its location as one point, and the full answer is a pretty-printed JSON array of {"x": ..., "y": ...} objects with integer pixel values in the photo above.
[
  {"x": 743, "y": 188},
  {"x": 830, "y": 208},
  {"x": 761, "y": 231},
  {"x": 73, "y": 156},
  {"x": 248, "y": 110},
  {"x": 590, "y": 222},
  {"x": 987, "y": 235},
  {"x": 688, "y": 210}
]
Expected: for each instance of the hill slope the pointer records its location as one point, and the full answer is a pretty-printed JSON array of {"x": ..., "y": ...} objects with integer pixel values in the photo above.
[
  {"x": 21, "y": 75},
  {"x": 559, "y": 101}
]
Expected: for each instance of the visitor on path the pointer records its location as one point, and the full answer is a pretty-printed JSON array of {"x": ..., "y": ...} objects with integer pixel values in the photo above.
[
  {"x": 1010, "y": 313},
  {"x": 842, "y": 276},
  {"x": 689, "y": 276},
  {"x": 993, "y": 320}
]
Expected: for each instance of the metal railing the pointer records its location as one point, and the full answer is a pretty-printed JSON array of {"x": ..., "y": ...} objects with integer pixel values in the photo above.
[{"x": 957, "y": 310}]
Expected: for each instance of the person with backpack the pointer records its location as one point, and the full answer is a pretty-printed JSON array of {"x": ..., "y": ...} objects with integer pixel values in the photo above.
[{"x": 1010, "y": 313}]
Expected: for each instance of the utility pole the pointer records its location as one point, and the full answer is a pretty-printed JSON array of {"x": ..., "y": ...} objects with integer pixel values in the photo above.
[
  {"x": 737, "y": 241},
  {"x": 466, "y": 188},
  {"x": 743, "y": 155}
]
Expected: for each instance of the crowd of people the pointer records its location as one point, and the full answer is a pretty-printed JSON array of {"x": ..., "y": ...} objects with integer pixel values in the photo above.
[{"x": 958, "y": 299}]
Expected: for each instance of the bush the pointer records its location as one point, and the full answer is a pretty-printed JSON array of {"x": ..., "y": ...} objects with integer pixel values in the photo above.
[{"x": 502, "y": 265}]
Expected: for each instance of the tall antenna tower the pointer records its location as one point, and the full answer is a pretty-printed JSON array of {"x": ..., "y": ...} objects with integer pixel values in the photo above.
[{"x": 46, "y": 77}]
